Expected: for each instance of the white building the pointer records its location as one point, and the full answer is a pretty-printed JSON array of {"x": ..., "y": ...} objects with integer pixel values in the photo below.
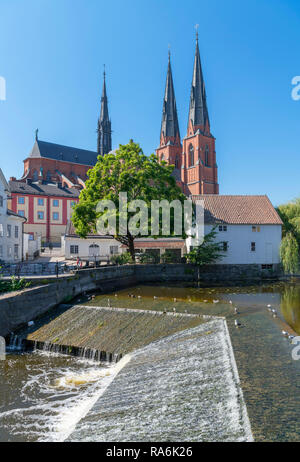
[
  {"x": 93, "y": 247},
  {"x": 11, "y": 227},
  {"x": 248, "y": 226}
]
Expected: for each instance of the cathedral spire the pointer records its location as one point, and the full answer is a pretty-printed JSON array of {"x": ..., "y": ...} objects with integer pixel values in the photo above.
[
  {"x": 104, "y": 124},
  {"x": 169, "y": 124},
  {"x": 198, "y": 113}
]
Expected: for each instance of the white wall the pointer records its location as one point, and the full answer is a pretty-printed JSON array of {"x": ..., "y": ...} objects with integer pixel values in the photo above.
[
  {"x": 239, "y": 238},
  {"x": 84, "y": 244}
]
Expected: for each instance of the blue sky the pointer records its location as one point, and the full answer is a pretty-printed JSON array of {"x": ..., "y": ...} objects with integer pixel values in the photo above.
[{"x": 52, "y": 54}]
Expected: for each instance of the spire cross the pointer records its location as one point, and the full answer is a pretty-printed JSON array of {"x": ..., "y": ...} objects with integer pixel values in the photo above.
[
  {"x": 169, "y": 51},
  {"x": 104, "y": 74}
]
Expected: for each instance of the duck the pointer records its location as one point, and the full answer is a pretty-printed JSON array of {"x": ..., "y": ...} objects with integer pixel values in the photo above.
[
  {"x": 236, "y": 310},
  {"x": 230, "y": 301},
  {"x": 139, "y": 297},
  {"x": 274, "y": 311},
  {"x": 285, "y": 333},
  {"x": 174, "y": 309},
  {"x": 291, "y": 337},
  {"x": 116, "y": 295},
  {"x": 216, "y": 301},
  {"x": 155, "y": 297},
  {"x": 175, "y": 300},
  {"x": 237, "y": 323}
]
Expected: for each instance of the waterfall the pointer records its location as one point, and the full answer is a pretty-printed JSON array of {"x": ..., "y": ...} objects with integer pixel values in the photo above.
[{"x": 15, "y": 343}]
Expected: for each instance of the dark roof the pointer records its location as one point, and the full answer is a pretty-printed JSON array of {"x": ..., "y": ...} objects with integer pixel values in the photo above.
[
  {"x": 10, "y": 212},
  {"x": 169, "y": 124},
  {"x": 238, "y": 210},
  {"x": 70, "y": 232},
  {"x": 63, "y": 153},
  {"x": 198, "y": 112},
  {"x": 48, "y": 189}
]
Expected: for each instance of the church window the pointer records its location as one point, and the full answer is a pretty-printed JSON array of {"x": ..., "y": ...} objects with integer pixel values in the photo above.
[
  {"x": 176, "y": 161},
  {"x": 191, "y": 156},
  {"x": 207, "y": 156},
  {"x": 35, "y": 175}
]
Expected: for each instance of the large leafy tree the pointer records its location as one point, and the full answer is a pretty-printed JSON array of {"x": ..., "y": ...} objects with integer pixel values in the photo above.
[
  {"x": 289, "y": 254},
  {"x": 128, "y": 170},
  {"x": 208, "y": 252}
]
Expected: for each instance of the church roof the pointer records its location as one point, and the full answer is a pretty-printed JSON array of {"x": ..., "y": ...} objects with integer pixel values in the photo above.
[
  {"x": 47, "y": 189},
  {"x": 63, "y": 153},
  {"x": 169, "y": 125},
  {"x": 238, "y": 210}
]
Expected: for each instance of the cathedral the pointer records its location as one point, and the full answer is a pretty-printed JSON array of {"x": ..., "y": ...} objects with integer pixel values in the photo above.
[{"x": 194, "y": 157}]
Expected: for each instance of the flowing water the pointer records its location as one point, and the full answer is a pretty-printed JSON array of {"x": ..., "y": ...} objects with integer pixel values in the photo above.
[{"x": 46, "y": 396}]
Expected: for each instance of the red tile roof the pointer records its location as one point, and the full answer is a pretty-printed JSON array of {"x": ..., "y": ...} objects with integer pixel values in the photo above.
[{"x": 238, "y": 210}]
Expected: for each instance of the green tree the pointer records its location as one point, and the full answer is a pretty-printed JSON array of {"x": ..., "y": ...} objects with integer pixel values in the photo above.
[
  {"x": 208, "y": 252},
  {"x": 290, "y": 215},
  {"x": 128, "y": 170},
  {"x": 289, "y": 254}
]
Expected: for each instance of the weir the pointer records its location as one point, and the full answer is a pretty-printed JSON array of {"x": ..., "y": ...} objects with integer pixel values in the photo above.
[{"x": 102, "y": 333}]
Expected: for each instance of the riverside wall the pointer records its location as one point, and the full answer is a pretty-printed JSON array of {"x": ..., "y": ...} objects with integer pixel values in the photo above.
[{"x": 18, "y": 308}]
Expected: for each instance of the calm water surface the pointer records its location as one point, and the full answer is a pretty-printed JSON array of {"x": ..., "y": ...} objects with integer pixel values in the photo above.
[{"x": 43, "y": 395}]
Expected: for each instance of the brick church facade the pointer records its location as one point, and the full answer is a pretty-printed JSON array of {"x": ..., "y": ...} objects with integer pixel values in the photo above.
[{"x": 194, "y": 157}]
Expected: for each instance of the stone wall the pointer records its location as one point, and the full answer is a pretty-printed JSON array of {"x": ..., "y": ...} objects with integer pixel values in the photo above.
[{"x": 20, "y": 307}]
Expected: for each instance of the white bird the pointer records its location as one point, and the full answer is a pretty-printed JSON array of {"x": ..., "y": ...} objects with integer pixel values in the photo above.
[
  {"x": 116, "y": 295},
  {"x": 216, "y": 301},
  {"x": 237, "y": 323},
  {"x": 174, "y": 309},
  {"x": 269, "y": 306},
  {"x": 285, "y": 333},
  {"x": 205, "y": 301},
  {"x": 108, "y": 302},
  {"x": 230, "y": 301},
  {"x": 270, "y": 309},
  {"x": 274, "y": 311},
  {"x": 236, "y": 310},
  {"x": 175, "y": 300},
  {"x": 155, "y": 297},
  {"x": 291, "y": 337},
  {"x": 185, "y": 311}
]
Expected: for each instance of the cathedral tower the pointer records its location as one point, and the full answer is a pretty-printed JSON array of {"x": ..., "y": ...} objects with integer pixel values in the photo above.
[
  {"x": 170, "y": 148},
  {"x": 104, "y": 125},
  {"x": 199, "y": 173}
]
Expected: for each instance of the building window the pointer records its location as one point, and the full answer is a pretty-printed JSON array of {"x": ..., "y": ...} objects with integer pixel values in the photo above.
[
  {"x": 40, "y": 215},
  {"x": 191, "y": 156},
  {"x": 1, "y": 201},
  {"x": 55, "y": 216},
  {"x": 113, "y": 249},
  {"x": 9, "y": 251},
  {"x": 253, "y": 247},
  {"x": 266, "y": 266},
  {"x": 74, "y": 249},
  {"x": 176, "y": 161},
  {"x": 21, "y": 213},
  {"x": 223, "y": 228},
  {"x": 55, "y": 203},
  {"x": 73, "y": 203},
  {"x": 207, "y": 156},
  {"x": 21, "y": 200},
  {"x": 35, "y": 175},
  {"x": 255, "y": 229},
  {"x": 16, "y": 232},
  {"x": 1, "y": 251},
  {"x": 162, "y": 157},
  {"x": 1, "y": 230},
  {"x": 16, "y": 251},
  {"x": 225, "y": 246},
  {"x": 40, "y": 201},
  {"x": 48, "y": 176},
  {"x": 8, "y": 230}
]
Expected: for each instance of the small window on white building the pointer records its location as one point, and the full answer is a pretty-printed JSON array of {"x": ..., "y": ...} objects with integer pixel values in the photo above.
[
  {"x": 16, "y": 251},
  {"x": 225, "y": 246},
  {"x": 16, "y": 232},
  {"x": 74, "y": 249},
  {"x": 223, "y": 228},
  {"x": 113, "y": 249},
  {"x": 255, "y": 229},
  {"x": 1, "y": 201},
  {"x": 253, "y": 246},
  {"x": 8, "y": 230},
  {"x": 40, "y": 215},
  {"x": 1, "y": 230},
  {"x": 9, "y": 252}
]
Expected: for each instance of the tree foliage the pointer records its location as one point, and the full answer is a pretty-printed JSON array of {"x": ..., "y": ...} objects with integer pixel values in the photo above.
[
  {"x": 128, "y": 170},
  {"x": 208, "y": 252},
  {"x": 289, "y": 254}
]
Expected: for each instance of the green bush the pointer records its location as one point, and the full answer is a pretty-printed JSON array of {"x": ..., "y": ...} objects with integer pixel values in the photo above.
[{"x": 121, "y": 259}]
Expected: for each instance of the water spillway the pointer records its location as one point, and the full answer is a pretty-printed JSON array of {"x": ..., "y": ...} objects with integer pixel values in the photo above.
[
  {"x": 184, "y": 387},
  {"x": 103, "y": 333}
]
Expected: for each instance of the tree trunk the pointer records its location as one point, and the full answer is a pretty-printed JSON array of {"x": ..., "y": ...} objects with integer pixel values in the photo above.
[{"x": 131, "y": 247}]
